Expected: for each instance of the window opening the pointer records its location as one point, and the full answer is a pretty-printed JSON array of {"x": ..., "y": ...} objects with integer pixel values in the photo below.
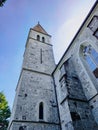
[
  {"x": 43, "y": 39},
  {"x": 38, "y": 37},
  {"x": 41, "y": 111},
  {"x": 75, "y": 116},
  {"x": 93, "y": 25},
  {"x": 91, "y": 57},
  {"x": 41, "y": 56},
  {"x": 21, "y": 128},
  {"x": 62, "y": 71},
  {"x": 96, "y": 33}
]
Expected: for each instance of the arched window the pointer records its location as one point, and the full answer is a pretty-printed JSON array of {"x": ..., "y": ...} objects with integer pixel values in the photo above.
[
  {"x": 21, "y": 128},
  {"x": 41, "y": 113},
  {"x": 38, "y": 37},
  {"x": 91, "y": 57},
  {"x": 43, "y": 39}
]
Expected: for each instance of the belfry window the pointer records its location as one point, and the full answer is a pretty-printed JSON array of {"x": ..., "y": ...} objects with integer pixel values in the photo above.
[
  {"x": 43, "y": 39},
  {"x": 91, "y": 56},
  {"x": 38, "y": 37},
  {"x": 41, "y": 114}
]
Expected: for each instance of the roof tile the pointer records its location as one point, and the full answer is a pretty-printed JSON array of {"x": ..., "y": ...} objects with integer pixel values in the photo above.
[{"x": 40, "y": 29}]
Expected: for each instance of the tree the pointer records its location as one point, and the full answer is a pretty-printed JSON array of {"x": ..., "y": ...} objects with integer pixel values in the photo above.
[
  {"x": 4, "y": 112},
  {"x": 2, "y": 2}
]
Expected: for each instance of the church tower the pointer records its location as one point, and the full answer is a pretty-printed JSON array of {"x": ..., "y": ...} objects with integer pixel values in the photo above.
[{"x": 35, "y": 105}]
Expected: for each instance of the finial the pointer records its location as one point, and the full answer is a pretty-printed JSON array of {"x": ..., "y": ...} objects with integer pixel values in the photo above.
[{"x": 38, "y": 22}]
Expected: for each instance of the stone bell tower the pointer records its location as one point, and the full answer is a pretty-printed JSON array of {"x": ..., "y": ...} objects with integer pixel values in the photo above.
[{"x": 35, "y": 105}]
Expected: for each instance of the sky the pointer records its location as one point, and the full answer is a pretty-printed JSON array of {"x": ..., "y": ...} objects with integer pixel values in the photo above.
[{"x": 60, "y": 18}]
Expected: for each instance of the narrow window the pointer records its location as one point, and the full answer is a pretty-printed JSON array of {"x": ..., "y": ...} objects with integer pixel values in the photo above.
[
  {"x": 43, "y": 39},
  {"x": 93, "y": 25},
  {"x": 62, "y": 71},
  {"x": 21, "y": 128},
  {"x": 96, "y": 33},
  {"x": 91, "y": 57},
  {"x": 38, "y": 37},
  {"x": 41, "y": 111},
  {"x": 75, "y": 116},
  {"x": 41, "y": 56}
]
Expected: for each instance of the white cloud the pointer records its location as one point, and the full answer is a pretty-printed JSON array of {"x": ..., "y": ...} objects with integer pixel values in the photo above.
[{"x": 65, "y": 34}]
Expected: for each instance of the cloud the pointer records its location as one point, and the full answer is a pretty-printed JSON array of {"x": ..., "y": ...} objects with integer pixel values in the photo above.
[
  {"x": 65, "y": 34},
  {"x": 69, "y": 20}
]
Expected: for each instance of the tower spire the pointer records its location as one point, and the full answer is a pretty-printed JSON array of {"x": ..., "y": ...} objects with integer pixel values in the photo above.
[{"x": 40, "y": 29}]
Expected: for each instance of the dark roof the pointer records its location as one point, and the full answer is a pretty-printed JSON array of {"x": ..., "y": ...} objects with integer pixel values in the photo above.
[{"x": 40, "y": 29}]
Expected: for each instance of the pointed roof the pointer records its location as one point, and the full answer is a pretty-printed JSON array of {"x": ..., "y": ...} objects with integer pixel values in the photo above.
[{"x": 40, "y": 29}]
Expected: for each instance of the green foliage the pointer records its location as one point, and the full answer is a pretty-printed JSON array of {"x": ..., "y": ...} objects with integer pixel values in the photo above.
[
  {"x": 2, "y": 2},
  {"x": 4, "y": 112}
]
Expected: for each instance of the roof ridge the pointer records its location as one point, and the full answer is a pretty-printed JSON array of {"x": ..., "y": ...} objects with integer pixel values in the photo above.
[{"x": 40, "y": 29}]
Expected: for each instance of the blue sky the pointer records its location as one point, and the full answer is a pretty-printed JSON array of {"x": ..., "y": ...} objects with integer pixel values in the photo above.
[{"x": 60, "y": 18}]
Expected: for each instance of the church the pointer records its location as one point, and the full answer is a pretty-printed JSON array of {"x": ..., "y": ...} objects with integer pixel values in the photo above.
[{"x": 62, "y": 96}]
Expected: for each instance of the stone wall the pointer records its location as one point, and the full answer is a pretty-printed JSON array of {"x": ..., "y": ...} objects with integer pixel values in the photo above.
[
  {"x": 34, "y": 126},
  {"x": 38, "y": 55},
  {"x": 83, "y": 85},
  {"x": 36, "y": 86},
  {"x": 75, "y": 111}
]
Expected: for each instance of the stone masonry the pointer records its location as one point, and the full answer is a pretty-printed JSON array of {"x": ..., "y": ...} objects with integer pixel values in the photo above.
[
  {"x": 62, "y": 96},
  {"x": 35, "y": 105}
]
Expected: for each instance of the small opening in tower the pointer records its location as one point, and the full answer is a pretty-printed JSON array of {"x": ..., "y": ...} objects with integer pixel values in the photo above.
[
  {"x": 25, "y": 95},
  {"x": 21, "y": 128},
  {"x": 24, "y": 117},
  {"x": 38, "y": 37},
  {"x": 43, "y": 39},
  {"x": 75, "y": 116},
  {"x": 41, "y": 110}
]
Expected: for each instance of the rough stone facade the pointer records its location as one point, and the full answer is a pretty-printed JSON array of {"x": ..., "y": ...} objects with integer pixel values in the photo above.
[
  {"x": 75, "y": 82},
  {"x": 62, "y": 96},
  {"x": 79, "y": 109},
  {"x": 35, "y": 105}
]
